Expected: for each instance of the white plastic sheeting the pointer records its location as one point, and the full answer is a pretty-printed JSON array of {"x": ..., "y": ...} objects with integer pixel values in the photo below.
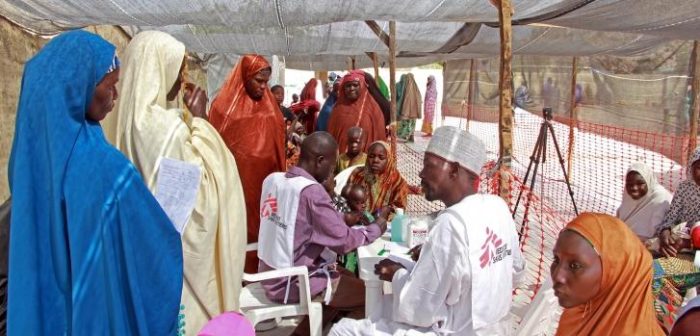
[
  {"x": 53, "y": 15},
  {"x": 678, "y": 19},
  {"x": 355, "y": 38},
  {"x": 321, "y": 34}
]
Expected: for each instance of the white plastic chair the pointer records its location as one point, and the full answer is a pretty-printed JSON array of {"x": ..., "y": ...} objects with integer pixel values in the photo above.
[
  {"x": 342, "y": 178},
  {"x": 256, "y": 307},
  {"x": 542, "y": 313}
]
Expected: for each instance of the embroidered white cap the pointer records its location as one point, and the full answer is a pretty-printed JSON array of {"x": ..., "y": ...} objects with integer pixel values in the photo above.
[{"x": 460, "y": 146}]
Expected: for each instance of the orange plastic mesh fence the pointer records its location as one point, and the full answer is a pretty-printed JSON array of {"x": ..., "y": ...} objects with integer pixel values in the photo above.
[{"x": 601, "y": 155}]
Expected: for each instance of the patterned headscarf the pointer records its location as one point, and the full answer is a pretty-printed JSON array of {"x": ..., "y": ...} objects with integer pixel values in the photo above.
[
  {"x": 693, "y": 158},
  {"x": 387, "y": 188}
]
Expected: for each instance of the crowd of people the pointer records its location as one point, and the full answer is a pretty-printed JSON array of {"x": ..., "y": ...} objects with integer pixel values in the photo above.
[{"x": 93, "y": 252}]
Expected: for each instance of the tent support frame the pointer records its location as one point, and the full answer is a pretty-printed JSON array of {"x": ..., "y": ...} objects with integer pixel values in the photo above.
[
  {"x": 505, "y": 110},
  {"x": 695, "y": 107}
]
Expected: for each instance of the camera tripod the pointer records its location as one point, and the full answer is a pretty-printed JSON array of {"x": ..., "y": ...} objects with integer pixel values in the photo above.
[{"x": 539, "y": 155}]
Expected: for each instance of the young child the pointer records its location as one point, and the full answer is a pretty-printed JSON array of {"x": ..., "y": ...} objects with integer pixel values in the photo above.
[
  {"x": 356, "y": 197},
  {"x": 356, "y": 216},
  {"x": 295, "y": 136},
  {"x": 353, "y": 156}
]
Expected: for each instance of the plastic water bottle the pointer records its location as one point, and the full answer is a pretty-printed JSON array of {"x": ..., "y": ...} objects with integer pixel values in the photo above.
[{"x": 397, "y": 226}]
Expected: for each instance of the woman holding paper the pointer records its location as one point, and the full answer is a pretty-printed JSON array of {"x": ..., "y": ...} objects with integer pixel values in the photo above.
[{"x": 213, "y": 239}]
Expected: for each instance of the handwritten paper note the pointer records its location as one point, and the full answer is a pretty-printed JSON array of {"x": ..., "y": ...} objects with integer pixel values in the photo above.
[{"x": 176, "y": 190}]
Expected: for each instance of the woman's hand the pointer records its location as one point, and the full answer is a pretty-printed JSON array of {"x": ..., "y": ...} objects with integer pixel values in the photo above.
[
  {"x": 196, "y": 100},
  {"x": 667, "y": 242}
]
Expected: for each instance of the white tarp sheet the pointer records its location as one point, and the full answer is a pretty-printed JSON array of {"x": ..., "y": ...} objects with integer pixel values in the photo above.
[{"x": 321, "y": 34}]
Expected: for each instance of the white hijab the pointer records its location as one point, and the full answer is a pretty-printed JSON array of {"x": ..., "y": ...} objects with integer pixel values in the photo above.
[
  {"x": 150, "y": 66},
  {"x": 641, "y": 215}
]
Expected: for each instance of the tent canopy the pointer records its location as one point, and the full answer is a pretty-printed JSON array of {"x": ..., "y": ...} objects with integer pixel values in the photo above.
[{"x": 322, "y": 34}]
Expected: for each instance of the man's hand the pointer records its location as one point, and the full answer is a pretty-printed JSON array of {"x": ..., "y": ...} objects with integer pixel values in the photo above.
[
  {"x": 386, "y": 268},
  {"x": 351, "y": 218},
  {"x": 363, "y": 219},
  {"x": 381, "y": 218},
  {"x": 384, "y": 212},
  {"x": 415, "y": 252},
  {"x": 196, "y": 100},
  {"x": 667, "y": 242}
]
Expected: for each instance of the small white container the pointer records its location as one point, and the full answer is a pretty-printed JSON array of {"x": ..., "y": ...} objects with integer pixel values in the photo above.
[{"x": 417, "y": 232}]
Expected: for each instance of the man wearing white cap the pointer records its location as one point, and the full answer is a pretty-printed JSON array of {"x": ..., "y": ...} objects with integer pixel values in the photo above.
[{"x": 463, "y": 281}]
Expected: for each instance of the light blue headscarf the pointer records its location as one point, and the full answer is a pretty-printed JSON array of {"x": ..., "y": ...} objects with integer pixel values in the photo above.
[{"x": 91, "y": 251}]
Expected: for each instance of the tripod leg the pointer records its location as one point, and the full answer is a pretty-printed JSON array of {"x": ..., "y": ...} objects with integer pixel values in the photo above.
[
  {"x": 536, "y": 159},
  {"x": 533, "y": 179},
  {"x": 538, "y": 144},
  {"x": 561, "y": 162}
]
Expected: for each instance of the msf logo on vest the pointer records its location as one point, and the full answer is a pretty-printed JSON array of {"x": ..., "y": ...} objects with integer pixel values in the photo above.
[
  {"x": 493, "y": 250},
  {"x": 268, "y": 211}
]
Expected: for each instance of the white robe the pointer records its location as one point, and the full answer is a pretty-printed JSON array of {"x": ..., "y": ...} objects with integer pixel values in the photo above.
[
  {"x": 437, "y": 294},
  {"x": 214, "y": 239}
]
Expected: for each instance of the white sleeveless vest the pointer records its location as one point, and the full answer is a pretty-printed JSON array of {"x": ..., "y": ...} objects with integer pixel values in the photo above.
[{"x": 279, "y": 205}]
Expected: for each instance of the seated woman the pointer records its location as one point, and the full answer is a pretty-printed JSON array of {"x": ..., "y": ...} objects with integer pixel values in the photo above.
[
  {"x": 685, "y": 207},
  {"x": 675, "y": 274},
  {"x": 92, "y": 252},
  {"x": 644, "y": 202},
  {"x": 381, "y": 179},
  {"x": 601, "y": 275}
]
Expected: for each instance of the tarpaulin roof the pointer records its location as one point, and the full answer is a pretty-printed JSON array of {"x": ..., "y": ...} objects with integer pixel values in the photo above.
[{"x": 321, "y": 34}]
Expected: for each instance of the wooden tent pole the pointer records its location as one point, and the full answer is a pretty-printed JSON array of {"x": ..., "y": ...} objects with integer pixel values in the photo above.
[
  {"x": 375, "y": 63},
  {"x": 392, "y": 80},
  {"x": 322, "y": 75},
  {"x": 352, "y": 59},
  {"x": 470, "y": 93},
  {"x": 573, "y": 115},
  {"x": 505, "y": 114},
  {"x": 695, "y": 109},
  {"x": 442, "y": 110}
]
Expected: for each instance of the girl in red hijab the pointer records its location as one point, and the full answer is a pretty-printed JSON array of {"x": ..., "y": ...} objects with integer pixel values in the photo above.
[
  {"x": 249, "y": 120},
  {"x": 308, "y": 106},
  {"x": 356, "y": 107}
]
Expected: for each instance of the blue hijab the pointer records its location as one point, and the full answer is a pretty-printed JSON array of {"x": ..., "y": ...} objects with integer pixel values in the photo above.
[
  {"x": 325, "y": 114},
  {"x": 91, "y": 251}
]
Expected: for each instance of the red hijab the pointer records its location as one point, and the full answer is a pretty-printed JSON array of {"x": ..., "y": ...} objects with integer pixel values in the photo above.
[
  {"x": 363, "y": 112},
  {"x": 308, "y": 102},
  {"x": 254, "y": 132}
]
